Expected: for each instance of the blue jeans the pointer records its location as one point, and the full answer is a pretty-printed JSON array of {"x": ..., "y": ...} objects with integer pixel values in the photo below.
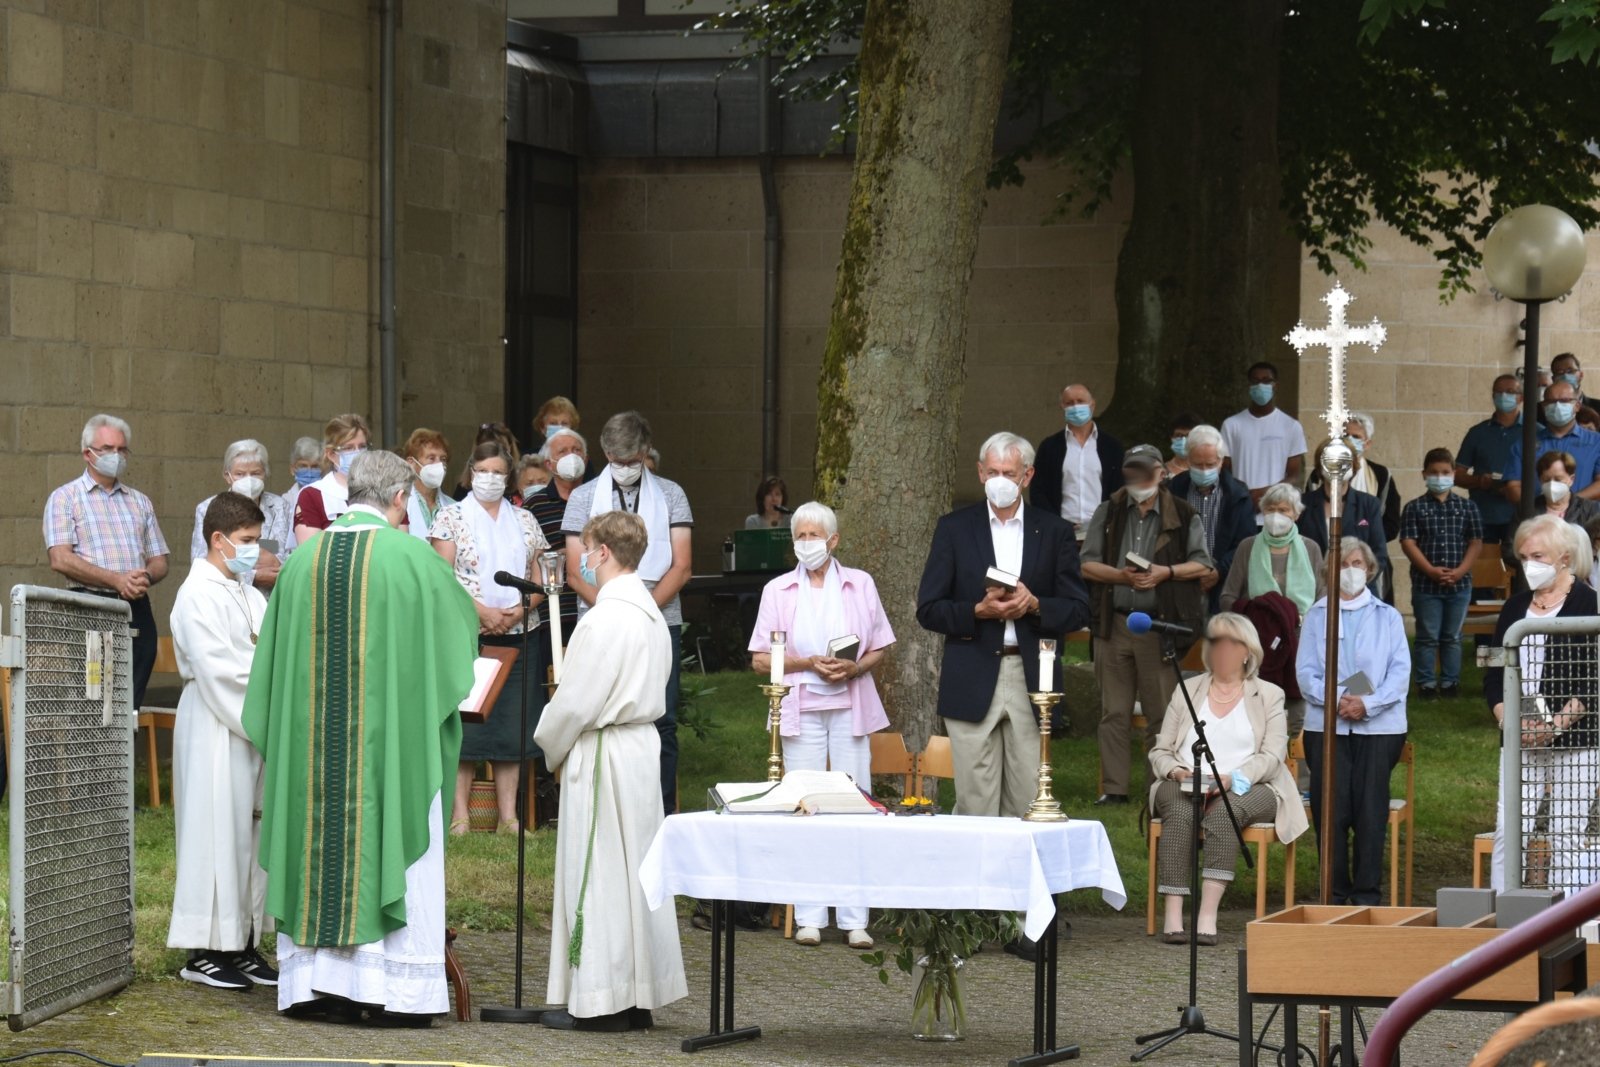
[{"x": 1439, "y": 617}]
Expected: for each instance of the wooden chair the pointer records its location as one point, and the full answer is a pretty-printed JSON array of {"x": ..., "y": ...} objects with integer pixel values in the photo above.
[
  {"x": 890, "y": 757},
  {"x": 1482, "y": 853},
  {"x": 935, "y": 761},
  {"x": 1489, "y": 576},
  {"x": 152, "y": 719},
  {"x": 1402, "y": 813}
]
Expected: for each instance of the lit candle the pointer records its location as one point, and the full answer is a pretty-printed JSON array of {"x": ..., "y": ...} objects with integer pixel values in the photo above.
[
  {"x": 778, "y": 637},
  {"x": 1047, "y": 665}
]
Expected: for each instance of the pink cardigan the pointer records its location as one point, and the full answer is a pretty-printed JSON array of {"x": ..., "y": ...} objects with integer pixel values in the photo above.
[{"x": 864, "y": 612}]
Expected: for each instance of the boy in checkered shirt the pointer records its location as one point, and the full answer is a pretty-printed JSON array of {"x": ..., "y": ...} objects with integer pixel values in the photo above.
[{"x": 1440, "y": 533}]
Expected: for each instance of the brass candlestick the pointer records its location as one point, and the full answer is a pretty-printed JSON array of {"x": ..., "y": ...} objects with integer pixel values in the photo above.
[
  {"x": 775, "y": 694},
  {"x": 1045, "y": 807}
]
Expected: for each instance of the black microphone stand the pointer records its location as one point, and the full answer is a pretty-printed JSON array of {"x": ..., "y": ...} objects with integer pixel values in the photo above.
[{"x": 1193, "y": 1020}]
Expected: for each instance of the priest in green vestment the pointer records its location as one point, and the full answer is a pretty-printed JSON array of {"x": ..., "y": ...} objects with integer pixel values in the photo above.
[{"x": 366, "y": 651}]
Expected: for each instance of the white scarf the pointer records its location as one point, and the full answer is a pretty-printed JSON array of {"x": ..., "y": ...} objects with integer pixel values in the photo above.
[
  {"x": 500, "y": 548},
  {"x": 652, "y": 508},
  {"x": 819, "y": 618},
  {"x": 335, "y": 495}
]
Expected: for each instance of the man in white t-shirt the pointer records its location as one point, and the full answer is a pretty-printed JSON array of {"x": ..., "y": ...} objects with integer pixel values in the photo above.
[{"x": 1265, "y": 445}]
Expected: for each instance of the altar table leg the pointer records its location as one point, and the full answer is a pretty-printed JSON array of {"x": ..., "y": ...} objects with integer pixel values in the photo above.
[
  {"x": 722, "y": 1030},
  {"x": 1045, "y": 970}
]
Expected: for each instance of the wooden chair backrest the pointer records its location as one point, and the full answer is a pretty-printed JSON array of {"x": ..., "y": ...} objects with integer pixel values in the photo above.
[
  {"x": 890, "y": 756},
  {"x": 936, "y": 761},
  {"x": 1489, "y": 574}
]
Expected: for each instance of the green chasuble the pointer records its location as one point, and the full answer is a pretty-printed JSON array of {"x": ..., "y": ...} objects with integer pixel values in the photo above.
[{"x": 366, "y": 651}]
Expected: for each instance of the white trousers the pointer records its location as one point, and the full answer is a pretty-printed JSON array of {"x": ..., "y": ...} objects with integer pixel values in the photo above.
[
  {"x": 827, "y": 742},
  {"x": 1563, "y": 783}
]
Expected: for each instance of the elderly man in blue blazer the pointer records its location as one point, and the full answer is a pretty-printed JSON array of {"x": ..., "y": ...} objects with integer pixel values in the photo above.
[{"x": 991, "y": 646}]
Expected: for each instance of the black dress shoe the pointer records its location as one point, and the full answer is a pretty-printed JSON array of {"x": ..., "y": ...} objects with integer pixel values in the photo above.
[
  {"x": 397, "y": 1020},
  {"x": 561, "y": 1019},
  {"x": 1111, "y": 798},
  {"x": 326, "y": 1009},
  {"x": 640, "y": 1019},
  {"x": 1024, "y": 949}
]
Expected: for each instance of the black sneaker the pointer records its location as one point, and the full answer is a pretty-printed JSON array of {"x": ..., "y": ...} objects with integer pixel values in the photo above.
[
  {"x": 1449, "y": 692},
  {"x": 255, "y": 967},
  {"x": 1427, "y": 692},
  {"x": 1111, "y": 798},
  {"x": 215, "y": 971}
]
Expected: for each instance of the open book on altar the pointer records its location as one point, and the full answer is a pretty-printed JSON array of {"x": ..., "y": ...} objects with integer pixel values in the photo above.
[
  {"x": 800, "y": 792},
  {"x": 489, "y": 673}
]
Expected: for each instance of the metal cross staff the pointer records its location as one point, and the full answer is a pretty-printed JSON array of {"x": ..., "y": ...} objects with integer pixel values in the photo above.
[{"x": 1337, "y": 462}]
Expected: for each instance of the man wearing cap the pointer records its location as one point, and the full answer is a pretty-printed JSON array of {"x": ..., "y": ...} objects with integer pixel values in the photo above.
[{"x": 1144, "y": 550}]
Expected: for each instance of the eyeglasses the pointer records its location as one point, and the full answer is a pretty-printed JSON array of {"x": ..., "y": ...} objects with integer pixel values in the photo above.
[{"x": 106, "y": 450}]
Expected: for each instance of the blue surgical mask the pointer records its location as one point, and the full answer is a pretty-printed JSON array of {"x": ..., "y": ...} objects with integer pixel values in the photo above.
[
  {"x": 550, "y": 429},
  {"x": 245, "y": 557},
  {"x": 585, "y": 572},
  {"x": 1506, "y": 403},
  {"x": 1571, "y": 378},
  {"x": 1357, "y": 445},
  {"x": 1078, "y": 414},
  {"x": 306, "y": 475},
  {"x": 1558, "y": 412},
  {"x": 1440, "y": 483},
  {"x": 1180, "y": 445},
  {"x": 347, "y": 457},
  {"x": 1204, "y": 478},
  {"x": 1261, "y": 394}
]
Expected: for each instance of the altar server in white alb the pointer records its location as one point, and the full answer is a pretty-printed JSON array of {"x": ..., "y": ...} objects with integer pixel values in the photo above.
[
  {"x": 220, "y": 893},
  {"x": 612, "y": 959}
]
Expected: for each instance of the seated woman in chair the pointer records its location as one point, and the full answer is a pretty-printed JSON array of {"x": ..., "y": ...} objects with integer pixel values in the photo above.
[{"x": 1245, "y": 727}]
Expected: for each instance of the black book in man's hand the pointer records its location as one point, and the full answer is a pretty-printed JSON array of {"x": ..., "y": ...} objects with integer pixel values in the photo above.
[{"x": 995, "y": 578}]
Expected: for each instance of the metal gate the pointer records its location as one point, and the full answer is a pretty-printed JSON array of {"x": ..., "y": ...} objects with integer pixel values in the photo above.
[
  {"x": 70, "y": 912},
  {"x": 1550, "y": 756}
]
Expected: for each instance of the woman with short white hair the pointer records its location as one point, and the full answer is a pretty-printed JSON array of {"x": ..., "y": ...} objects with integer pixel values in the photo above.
[
  {"x": 1246, "y": 730},
  {"x": 1374, "y": 676},
  {"x": 245, "y": 470},
  {"x": 837, "y": 632},
  {"x": 1290, "y": 564}
]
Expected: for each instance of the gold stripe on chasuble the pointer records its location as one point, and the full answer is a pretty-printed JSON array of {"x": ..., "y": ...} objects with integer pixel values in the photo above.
[
  {"x": 311, "y": 851},
  {"x": 358, "y": 728}
]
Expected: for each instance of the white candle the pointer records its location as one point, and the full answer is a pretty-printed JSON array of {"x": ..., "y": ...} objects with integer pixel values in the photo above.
[
  {"x": 555, "y": 641},
  {"x": 777, "y": 657},
  {"x": 1047, "y": 663}
]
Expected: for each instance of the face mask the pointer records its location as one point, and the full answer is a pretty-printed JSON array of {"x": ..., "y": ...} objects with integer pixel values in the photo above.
[
  {"x": 1352, "y": 580},
  {"x": 112, "y": 465},
  {"x": 1077, "y": 414},
  {"x": 431, "y": 475},
  {"x": 1555, "y": 492},
  {"x": 1141, "y": 493},
  {"x": 550, "y": 429},
  {"x": 245, "y": 557},
  {"x": 249, "y": 486},
  {"x": 811, "y": 554},
  {"x": 1558, "y": 412},
  {"x": 347, "y": 457},
  {"x": 488, "y": 488},
  {"x": 1180, "y": 446},
  {"x": 1571, "y": 378},
  {"x": 1203, "y": 477},
  {"x": 1001, "y": 491},
  {"x": 1440, "y": 483},
  {"x": 570, "y": 467},
  {"x": 586, "y": 572},
  {"x": 1277, "y": 523},
  {"x": 1538, "y": 574},
  {"x": 1261, "y": 394},
  {"x": 306, "y": 475},
  {"x": 626, "y": 473},
  {"x": 1357, "y": 445},
  {"x": 1505, "y": 403}
]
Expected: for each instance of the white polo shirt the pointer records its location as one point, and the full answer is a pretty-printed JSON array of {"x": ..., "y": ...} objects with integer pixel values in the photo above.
[{"x": 1262, "y": 447}]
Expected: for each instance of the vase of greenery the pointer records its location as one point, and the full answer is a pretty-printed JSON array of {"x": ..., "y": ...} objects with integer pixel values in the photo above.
[{"x": 932, "y": 947}]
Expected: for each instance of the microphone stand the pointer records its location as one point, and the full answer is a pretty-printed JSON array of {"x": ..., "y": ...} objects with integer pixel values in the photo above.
[{"x": 1193, "y": 1020}]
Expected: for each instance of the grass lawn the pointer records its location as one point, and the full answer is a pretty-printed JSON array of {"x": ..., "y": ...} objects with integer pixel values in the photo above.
[{"x": 1456, "y": 756}]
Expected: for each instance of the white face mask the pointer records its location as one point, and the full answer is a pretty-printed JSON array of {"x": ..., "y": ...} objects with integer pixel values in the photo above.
[
  {"x": 1141, "y": 493},
  {"x": 112, "y": 464},
  {"x": 811, "y": 554},
  {"x": 1352, "y": 580},
  {"x": 1277, "y": 523},
  {"x": 249, "y": 486},
  {"x": 626, "y": 473},
  {"x": 1001, "y": 491},
  {"x": 431, "y": 475},
  {"x": 1555, "y": 492},
  {"x": 488, "y": 487},
  {"x": 570, "y": 467},
  {"x": 1538, "y": 574}
]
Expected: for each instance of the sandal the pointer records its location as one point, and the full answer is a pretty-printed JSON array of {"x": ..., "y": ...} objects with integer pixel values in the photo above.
[
  {"x": 460, "y": 827},
  {"x": 509, "y": 826}
]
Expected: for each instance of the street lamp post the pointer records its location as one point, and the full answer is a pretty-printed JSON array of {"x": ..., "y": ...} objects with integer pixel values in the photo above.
[{"x": 1533, "y": 254}]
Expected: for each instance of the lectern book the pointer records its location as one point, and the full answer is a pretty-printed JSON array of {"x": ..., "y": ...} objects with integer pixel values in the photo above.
[
  {"x": 800, "y": 793},
  {"x": 489, "y": 673}
]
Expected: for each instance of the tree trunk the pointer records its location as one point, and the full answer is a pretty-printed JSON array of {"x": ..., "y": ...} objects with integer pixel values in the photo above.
[
  {"x": 1208, "y": 277},
  {"x": 893, "y": 369}
]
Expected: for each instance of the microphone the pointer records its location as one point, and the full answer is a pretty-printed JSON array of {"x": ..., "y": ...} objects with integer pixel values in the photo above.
[
  {"x": 1140, "y": 623},
  {"x": 522, "y": 585},
  {"x": 785, "y": 511}
]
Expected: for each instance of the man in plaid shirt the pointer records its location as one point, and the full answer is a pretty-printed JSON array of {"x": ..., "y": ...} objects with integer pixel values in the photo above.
[
  {"x": 103, "y": 537},
  {"x": 1440, "y": 533}
]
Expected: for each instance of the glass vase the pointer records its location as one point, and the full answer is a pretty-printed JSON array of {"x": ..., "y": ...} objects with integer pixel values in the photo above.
[{"x": 938, "y": 1009}]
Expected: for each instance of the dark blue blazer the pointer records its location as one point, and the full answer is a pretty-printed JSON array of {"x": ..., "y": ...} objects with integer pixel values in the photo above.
[
  {"x": 1044, "y": 492},
  {"x": 952, "y": 584},
  {"x": 1235, "y": 522},
  {"x": 1362, "y": 519}
]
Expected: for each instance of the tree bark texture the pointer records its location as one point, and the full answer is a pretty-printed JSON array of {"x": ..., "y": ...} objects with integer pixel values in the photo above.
[
  {"x": 894, "y": 366},
  {"x": 1208, "y": 275}
]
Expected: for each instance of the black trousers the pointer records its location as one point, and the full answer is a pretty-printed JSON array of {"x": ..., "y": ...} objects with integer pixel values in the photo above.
[
  {"x": 1363, "y": 763},
  {"x": 143, "y": 624}
]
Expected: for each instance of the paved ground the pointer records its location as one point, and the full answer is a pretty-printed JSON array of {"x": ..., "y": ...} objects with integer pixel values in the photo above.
[{"x": 815, "y": 1006}]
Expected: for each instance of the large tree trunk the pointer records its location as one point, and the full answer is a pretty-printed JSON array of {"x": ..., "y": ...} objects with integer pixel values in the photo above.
[
  {"x": 1208, "y": 276},
  {"x": 890, "y": 390}
]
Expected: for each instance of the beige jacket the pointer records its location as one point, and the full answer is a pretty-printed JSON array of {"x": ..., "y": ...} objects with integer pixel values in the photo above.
[{"x": 1263, "y": 703}]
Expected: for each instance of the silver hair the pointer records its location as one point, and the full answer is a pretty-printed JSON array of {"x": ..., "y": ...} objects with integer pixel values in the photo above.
[
  {"x": 626, "y": 435},
  {"x": 377, "y": 477},
  {"x": 1203, "y": 435},
  {"x": 306, "y": 450},
  {"x": 1362, "y": 419},
  {"x": 247, "y": 449},
  {"x": 566, "y": 431},
  {"x": 817, "y": 512},
  {"x": 1354, "y": 546},
  {"x": 1283, "y": 493},
  {"x": 110, "y": 422},
  {"x": 1561, "y": 538},
  {"x": 1004, "y": 442}
]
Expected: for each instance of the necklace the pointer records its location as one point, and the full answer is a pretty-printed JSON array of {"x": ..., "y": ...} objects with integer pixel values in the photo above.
[
  {"x": 1226, "y": 695},
  {"x": 244, "y": 604},
  {"x": 1554, "y": 601}
]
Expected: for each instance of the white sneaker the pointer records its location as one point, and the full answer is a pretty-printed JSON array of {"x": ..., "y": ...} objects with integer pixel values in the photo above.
[
  {"x": 858, "y": 939},
  {"x": 808, "y": 935}
]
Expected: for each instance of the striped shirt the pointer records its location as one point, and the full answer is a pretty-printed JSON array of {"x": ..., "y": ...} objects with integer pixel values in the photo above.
[
  {"x": 548, "y": 509},
  {"x": 114, "y": 528}
]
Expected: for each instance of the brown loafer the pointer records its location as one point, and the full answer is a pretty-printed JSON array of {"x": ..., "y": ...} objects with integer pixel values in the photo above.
[
  {"x": 1206, "y": 939},
  {"x": 1174, "y": 937}
]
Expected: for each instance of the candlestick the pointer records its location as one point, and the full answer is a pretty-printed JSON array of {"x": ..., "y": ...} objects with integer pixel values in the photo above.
[
  {"x": 775, "y": 692},
  {"x": 778, "y": 640},
  {"x": 1045, "y": 807},
  {"x": 553, "y": 575},
  {"x": 1047, "y": 665}
]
